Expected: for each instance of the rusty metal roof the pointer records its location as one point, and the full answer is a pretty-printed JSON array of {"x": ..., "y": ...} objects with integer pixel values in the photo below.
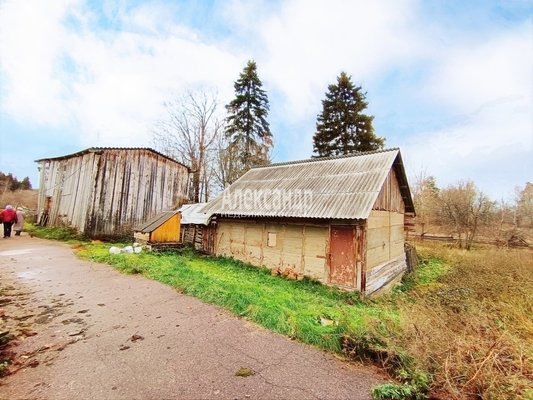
[
  {"x": 104, "y": 149},
  {"x": 343, "y": 187},
  {"x": 154, "y": 223}
]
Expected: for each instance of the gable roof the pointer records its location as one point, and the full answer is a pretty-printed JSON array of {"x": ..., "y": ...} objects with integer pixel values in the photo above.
[
  {"x": 103, "y": 149},
  {"x": 343, "y": 187},
  {"x": 154, "y": 223}
]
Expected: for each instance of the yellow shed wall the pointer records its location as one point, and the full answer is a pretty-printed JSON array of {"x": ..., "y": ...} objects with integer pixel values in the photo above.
[{"x": 169, "y": 231}]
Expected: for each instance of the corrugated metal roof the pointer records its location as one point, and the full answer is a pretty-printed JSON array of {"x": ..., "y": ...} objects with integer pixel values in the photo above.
[
  {"x": 192, "y": 214},
  {"x": 100, "y": 149},
  {"x": 154, "y": 223},
  {"x": 334, "y": 188}
]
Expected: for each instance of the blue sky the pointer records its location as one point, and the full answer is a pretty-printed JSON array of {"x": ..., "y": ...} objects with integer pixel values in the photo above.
[{"x": 449, "y": 82}]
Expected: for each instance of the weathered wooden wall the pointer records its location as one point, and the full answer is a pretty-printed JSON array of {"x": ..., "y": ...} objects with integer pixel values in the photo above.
[
  {"x": 299, "y": 247},
  {"x": 390, "y": 196},
  {"x": 107, "y": 192},
  {"x": 66, "y": 186},
  {"x": 385, "y": 237},
  {"x": 385, "y": 255},
  {"x": 193, "y": 234},
  {"x": 382, "y": 277}
]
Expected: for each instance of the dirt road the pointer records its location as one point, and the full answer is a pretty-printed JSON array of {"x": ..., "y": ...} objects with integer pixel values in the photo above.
[{"x": 85, "y": 331}]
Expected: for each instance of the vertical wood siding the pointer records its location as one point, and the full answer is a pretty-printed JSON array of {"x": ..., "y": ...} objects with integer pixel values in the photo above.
[
  {"x": 315, "y": 249},
  {"x": 390, "y": 196},
  {"x": 385, "y": 237},
  {"x": 199, "y": 236},
  {"x": 108, "y": 192}
]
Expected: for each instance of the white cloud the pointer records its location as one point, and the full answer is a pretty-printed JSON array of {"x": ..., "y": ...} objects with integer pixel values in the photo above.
[
  {"x": 310, "y": 42},
  {"x": 111, "y": 84},
  {"x": 30, "y": 39},
  {"x": 475, "y": 137},
  {"x": 471, "y": 74},
  {"x": 486, "y": 88}
]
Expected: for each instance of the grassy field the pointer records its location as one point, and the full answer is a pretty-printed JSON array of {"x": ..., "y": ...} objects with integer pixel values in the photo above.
[
  {"x": 459, "y": 328},
  {"x": 472, "y": 327}
]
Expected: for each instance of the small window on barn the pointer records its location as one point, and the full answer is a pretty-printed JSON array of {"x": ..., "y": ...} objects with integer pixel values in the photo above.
[{"x": 271, "y": 239}]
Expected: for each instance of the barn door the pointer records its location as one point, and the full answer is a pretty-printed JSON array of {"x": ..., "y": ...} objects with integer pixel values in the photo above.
[{"x": 343, "y": 264}]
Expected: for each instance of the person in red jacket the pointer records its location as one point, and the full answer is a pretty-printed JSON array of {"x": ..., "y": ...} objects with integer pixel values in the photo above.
[{"x": 8, "y": 218}]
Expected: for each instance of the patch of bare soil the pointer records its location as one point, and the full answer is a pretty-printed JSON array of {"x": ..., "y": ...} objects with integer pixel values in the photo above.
[{"x": 30, "y": 330}]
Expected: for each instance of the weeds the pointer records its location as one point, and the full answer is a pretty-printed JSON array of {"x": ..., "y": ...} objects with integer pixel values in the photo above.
[
  {"x": 392, "y": 391},
  {"x": 5, "y": 338},
  {"x": 63, "y": 234},
  {"x": 471, "y": 327}
]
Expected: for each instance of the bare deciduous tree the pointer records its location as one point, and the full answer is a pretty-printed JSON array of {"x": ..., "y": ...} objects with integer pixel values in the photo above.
[
  {"x": 524, "y": 206},
  {"x": 228, "y": 166},
  {"x": 188, "y": 135},
  {"x": 464, "y": 208},
  {"x": 426, "y": 200}
]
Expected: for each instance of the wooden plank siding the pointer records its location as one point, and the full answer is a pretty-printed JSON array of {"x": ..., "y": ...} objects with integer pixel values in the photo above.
[
  {"x": 315, "y": 249},
  {"x": 385, "y": 256},
  {"x": 106, "y": 193},
  {"x": 385, "y": 237},
  {"x": 169, "y": 231},
  {"x": 301, "y": 248},
  {"x": 390, "y": 196}
]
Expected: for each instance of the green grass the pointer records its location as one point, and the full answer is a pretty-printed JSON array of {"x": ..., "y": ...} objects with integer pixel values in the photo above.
[
  {"x": 292, "y": 308},
  {"x": 63, "y": 234}
]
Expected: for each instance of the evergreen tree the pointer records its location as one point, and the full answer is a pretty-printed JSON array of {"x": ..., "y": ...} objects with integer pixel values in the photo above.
[
  {"x": 247, "y": 127},
  {"x": 342, "y": 128},
  {"x": 25, "y": 184}
]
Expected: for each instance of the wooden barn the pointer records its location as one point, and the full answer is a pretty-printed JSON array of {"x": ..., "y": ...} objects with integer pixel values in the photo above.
[
  {"x": 339, "y": 220},
  {"x": 105, "y": 192}
]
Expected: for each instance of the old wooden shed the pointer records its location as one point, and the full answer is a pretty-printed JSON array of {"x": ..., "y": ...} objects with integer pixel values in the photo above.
[
  {"x": 338, "y": 220},
  {"x": 105, "y": 192},
  {"x": 163, "y": 228}
]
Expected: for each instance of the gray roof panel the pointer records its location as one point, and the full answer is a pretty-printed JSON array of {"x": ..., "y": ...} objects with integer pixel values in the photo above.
[
  {"x": 154, "y": 223},
  {"x": 335, "y": 188}
]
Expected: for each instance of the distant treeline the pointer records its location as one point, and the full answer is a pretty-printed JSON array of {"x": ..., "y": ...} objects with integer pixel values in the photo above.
[{"x": 11, "y": 183}]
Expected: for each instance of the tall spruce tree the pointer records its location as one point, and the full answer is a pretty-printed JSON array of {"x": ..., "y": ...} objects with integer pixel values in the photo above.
[
  {"x": 342, "y": 128},
  {"x": 247, "y": 128}
]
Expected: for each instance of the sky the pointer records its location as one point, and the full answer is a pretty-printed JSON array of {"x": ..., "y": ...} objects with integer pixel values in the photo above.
[{"x": 448, "y": 82}]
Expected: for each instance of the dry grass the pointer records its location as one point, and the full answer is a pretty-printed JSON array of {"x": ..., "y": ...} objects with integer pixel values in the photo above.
[
  {"x": 23, "y": 198},
  {"x": 472, "y": 328}
]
